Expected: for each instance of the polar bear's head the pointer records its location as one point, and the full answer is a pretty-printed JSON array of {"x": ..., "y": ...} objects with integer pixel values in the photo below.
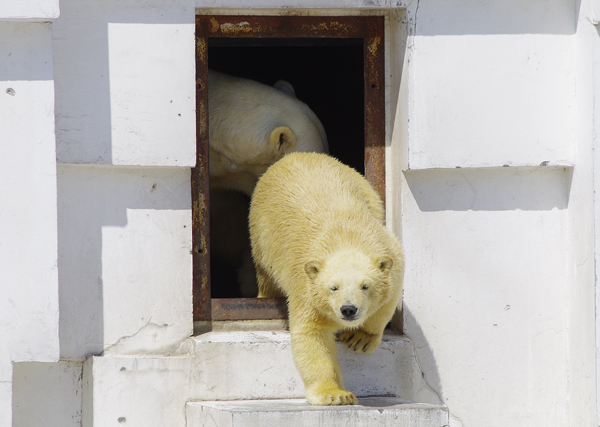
[{"x": 349, "y": 286}]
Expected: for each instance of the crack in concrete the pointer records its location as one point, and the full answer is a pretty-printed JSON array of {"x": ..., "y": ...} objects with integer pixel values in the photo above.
[{"x": 141, "y": 328}]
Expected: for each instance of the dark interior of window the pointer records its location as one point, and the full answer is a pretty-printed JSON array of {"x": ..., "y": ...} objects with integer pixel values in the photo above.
[{"x": 327, "y": 75}]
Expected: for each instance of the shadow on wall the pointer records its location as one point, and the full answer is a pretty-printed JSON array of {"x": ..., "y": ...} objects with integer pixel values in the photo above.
[
  {"x": 490, "y": 17},
  {"x": 424, "y": 357},
  {"x": 114, "y": 215},
  {"x": 43, "y": 383},
  {"x": 491, "y": 189}
]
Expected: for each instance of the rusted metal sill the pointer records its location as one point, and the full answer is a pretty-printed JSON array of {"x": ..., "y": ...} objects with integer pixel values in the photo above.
[{"x": 248, "y": 308}]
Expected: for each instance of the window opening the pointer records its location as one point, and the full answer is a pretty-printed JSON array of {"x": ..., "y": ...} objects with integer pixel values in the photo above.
[{"x": 335, "y": 65}]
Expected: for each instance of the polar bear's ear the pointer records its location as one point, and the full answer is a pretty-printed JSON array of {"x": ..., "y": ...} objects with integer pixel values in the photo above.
[
  {"x": 312, "y": 268},
  {"x": 282, "y": 139},
  {"x": 285, "y": 87},
  {"x": 385, "y": 263}
]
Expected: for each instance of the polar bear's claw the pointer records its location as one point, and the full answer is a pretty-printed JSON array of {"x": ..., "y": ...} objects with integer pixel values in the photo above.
[
  {"x": 333, "y": 397},
  {"x": 360, "y": 341}
]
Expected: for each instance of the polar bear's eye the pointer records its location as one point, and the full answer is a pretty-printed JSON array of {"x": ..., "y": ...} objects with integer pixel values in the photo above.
[
  {"x": 365, "y": 287},
  {"x": 334, "y": 288}
]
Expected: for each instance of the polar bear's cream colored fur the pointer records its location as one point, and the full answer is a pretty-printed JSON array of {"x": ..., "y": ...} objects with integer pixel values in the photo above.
[
  {"x": 318, "y": 238},
  {"x": 251, "y": 126}
]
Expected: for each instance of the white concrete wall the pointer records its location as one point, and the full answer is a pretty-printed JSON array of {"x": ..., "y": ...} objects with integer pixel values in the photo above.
[
  {"x": 500, "y": 279},
  {"x": 125, "y": 75},
  {"x": 500, "y": 273}
]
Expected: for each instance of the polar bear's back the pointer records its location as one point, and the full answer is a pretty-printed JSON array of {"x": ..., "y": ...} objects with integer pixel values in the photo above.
[
  {"x": 299, "y": 199},
  {"x": 242, "y": 113},
  {"x": 316, "y": 183}
]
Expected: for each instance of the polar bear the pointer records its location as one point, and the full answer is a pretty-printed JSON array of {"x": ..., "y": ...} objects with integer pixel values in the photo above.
[
  {"x": 318, "y": 239},
  {"x": 251, "y": 125}
]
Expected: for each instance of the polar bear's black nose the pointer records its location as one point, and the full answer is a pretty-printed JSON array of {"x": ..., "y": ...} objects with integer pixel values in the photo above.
[{"x": 348, "y": 311}]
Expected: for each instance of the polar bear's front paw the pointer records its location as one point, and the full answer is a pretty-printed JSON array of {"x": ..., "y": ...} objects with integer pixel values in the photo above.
[
  {"x": 331, "y": 397},
  {"x": 360, "y": 341}
]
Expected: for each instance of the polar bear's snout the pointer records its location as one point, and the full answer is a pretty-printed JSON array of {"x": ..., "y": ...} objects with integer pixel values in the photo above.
[{"x": 349, "y": 312}]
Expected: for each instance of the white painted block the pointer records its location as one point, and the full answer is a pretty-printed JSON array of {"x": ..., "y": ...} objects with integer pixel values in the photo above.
[
  {"x": 369, "y": 412},
  {"x": 125, "y": 73},
  {"x": 152, "y": 93},
  {"x": 491, "y": 100},
  {"x": 31, "y": 10},
  {"x": 28, "y": 244},
  {"x": 125, "y": 264},
  {"x": 47, "y": 394}
]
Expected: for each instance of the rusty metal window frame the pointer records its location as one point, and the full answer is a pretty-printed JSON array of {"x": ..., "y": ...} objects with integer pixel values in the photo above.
[{"x": 368, "y": 28}]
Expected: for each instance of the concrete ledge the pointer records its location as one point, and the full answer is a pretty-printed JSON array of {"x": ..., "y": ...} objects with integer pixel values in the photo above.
[
  {"x": 227, "y": 366},
  {"x": 371, "y": 411}
]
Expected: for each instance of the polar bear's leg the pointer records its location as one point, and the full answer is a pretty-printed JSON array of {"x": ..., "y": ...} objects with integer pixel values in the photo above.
[{"x": 315, "y": 358}]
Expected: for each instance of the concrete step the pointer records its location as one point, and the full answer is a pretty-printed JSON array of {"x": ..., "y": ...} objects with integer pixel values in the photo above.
[
  {"x": 152, "y": 390},
  {"x": 259, "y": 365},
  {"x": 371, "y": 411}
]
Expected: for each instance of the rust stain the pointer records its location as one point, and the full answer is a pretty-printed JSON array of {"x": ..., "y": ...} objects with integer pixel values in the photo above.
[
  {"x": 374, "y": 45},
  {"x": 201, "y": 48},
  {"x": 214, "y": 25},
  {"x": 240, "y": 28},
  {"x": 196, "y": 212},
  {"x": 333, "y": 27},
  {"x": 202, "y": 119},
  {"x": 199, "y": 210}
]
